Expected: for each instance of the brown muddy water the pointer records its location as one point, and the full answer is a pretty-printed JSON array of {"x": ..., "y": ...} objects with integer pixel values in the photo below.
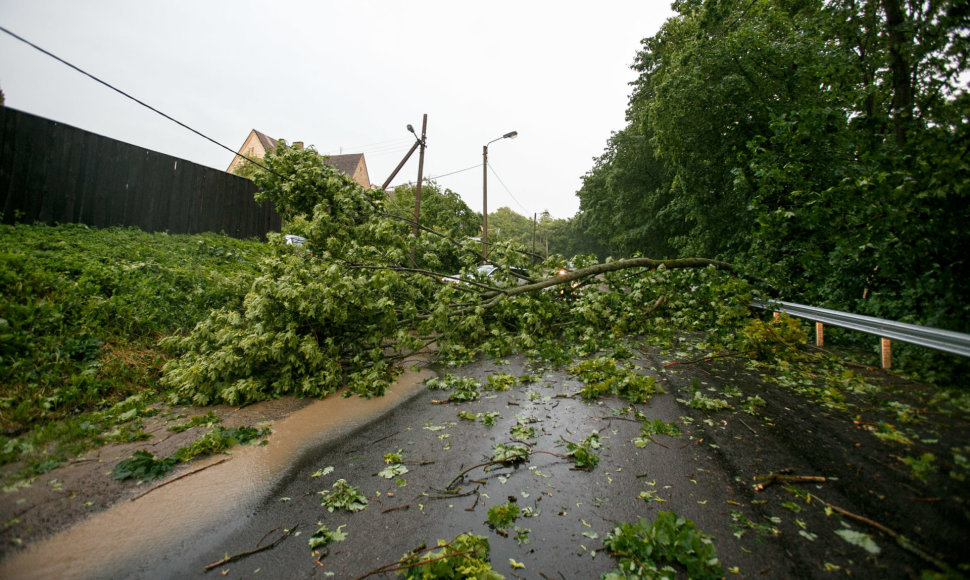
[{"x": 159, "y": 522}]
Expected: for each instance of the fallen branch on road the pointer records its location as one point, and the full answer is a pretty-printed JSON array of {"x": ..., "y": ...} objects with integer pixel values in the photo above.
[
  {"x": 903, "y": 542},
  {"x": 174, "y": 479},
  {"x": 784, "y": 475},
  {"x": 242, "y": 555}
]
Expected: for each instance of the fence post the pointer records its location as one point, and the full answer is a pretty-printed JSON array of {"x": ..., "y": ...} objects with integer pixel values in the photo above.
[
  {"x": 819, "y": 334},
  {"x": 887, "y": 353}
]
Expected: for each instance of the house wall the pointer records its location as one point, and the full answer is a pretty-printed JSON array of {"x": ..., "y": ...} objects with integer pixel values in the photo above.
[{"x": 252, "y": 148}]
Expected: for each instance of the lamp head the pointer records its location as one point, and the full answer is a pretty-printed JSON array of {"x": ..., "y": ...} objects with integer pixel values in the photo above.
[{"x": 510, "y": 135}]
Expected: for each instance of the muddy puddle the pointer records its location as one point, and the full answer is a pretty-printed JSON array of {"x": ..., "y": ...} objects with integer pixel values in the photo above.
[{"x": 213, "y": 501}]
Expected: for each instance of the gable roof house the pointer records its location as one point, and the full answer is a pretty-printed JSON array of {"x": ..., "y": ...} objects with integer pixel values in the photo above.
[{"x": 257, "y": 144}]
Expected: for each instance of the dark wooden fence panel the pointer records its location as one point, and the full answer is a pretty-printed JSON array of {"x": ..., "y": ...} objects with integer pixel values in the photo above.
[{"x": 54, "y": 173}]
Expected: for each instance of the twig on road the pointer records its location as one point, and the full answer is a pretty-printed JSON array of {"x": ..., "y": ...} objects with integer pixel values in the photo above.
[
  {"x": 242, "y": 555},
  {"x": 174, "y": 479},
  {"x": 784, "y": 475}
]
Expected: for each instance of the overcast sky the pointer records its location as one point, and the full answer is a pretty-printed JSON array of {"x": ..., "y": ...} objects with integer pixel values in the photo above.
[{"x": 347, "y": 77}]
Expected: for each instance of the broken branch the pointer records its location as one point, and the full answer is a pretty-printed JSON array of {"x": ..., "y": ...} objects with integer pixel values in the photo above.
[
  {"x": 784, "y": 476},
  {"x": 242, "y": 555},
  {"x": 174, "y": 479}
]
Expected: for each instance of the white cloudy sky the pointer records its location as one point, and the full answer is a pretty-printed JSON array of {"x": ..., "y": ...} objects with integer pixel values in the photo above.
[{"x": 347, "y": 77}]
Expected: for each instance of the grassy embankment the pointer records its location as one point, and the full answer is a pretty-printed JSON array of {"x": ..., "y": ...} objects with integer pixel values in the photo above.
[{"x": 81, "y": 314}]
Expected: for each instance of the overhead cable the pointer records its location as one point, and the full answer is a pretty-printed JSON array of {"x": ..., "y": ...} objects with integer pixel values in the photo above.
[
  {"x": 507, "y": 190},
  {"x": 441, "y": 175},
  {"x": 117, "y": 90}
]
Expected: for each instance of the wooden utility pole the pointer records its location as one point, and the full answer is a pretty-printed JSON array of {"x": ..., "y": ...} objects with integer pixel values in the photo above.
[
  {"x": 535, "y": 217},
  {"x": 484, "y": 204},
  {"x": 417, "y": 190}
]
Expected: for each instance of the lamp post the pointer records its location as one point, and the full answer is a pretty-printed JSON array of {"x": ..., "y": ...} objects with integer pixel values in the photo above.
[{"x": 509, "y": 135}]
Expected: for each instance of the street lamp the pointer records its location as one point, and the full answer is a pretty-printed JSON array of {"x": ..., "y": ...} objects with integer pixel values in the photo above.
[{"x": 509, "y": 135}]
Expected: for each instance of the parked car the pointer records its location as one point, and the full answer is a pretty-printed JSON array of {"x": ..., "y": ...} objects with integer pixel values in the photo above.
[
  {"x": 492, "y": 275},
  {"x": 292, "y": 240}
]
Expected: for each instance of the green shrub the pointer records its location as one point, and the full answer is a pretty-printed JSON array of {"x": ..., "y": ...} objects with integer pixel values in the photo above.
[{"x": 81, "y": 311}]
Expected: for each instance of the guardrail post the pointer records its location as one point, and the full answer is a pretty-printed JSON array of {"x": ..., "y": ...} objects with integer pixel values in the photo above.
[
  {"x": 819, "y": 334},
  {"x": 887, "y": 353}
]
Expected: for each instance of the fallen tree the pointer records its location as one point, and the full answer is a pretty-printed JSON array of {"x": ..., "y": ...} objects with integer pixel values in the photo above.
[{"x": 349, "y": 304}]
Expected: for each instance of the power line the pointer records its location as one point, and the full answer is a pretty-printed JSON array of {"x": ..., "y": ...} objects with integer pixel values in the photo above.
[
  {"x": 459, "y": 171},
  {"x": 379, "y": 144},
  {"x": 442, "y": 175},
  {"x": 507, "y": 190},
  {"x": 374, "y": 149},
  {"x": 181, "y": 124},
  {"x": 123, "y": 93}
]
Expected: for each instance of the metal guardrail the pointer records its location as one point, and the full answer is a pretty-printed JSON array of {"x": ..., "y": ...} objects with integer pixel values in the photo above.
[{"x": 943, "y": 340}]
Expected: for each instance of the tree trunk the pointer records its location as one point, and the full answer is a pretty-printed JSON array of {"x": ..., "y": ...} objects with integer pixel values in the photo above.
[{"x": 899, "y": 66}]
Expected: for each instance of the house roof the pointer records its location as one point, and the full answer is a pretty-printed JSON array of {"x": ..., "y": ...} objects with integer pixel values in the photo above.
[
  {"x": 265, "y": 140},
  {"x": 346, "y": 163}
]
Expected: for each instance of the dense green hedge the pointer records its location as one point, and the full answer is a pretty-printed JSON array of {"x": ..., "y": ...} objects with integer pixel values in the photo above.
[{"x": 81, "y": 311}]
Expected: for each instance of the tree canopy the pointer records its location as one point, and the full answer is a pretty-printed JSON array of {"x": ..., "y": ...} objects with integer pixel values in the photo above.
[
  {"x": 823, "y": 145},
  {"x": 347, "y": 306}
]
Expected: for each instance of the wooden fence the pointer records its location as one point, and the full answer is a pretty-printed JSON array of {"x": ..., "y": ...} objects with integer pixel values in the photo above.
[{"x": 55, "y": 173}]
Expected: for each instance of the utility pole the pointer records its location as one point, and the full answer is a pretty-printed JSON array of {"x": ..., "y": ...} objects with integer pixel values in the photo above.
[
  {"x": 403, "y": 161},
  {"x": 484, "y": 204},
  {"x": 535, "y": 217},
  {"x": 417, "y": 191}
]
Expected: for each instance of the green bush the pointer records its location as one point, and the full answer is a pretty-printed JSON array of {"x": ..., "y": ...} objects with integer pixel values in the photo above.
[{"x": 81, "y": 311}]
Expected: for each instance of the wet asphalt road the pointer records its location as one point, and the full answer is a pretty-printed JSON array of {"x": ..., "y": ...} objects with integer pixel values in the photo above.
[
  {"x": 575, "y": 509},
  {"x": 706, "y": 474}
]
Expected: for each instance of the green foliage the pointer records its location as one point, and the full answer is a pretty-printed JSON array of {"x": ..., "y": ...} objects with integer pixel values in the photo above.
[
  {"x": 771, "y": 340},
  {"x": 301, "y": 183},
  {"x": 653, "y": 549},
  {"x": 392, "y": 471},
  {"x": 810, "y": 145},
  {"x": 342, "y": 495},
  {"x": 923, "y": 467},
  {"x": 500, "y": 382},
  {"x": 324, "y": 537},
  {"x": 602, "y": 376},
  {"x": 752, "y": 404},
  {"x": 861, "y": 540},
  {"x": 219, "y": 440},
  {"x": 489, "y": 419},
  {"x": 309, "y": 326},
  {"x": 463, "y": 389},
  {"x": 466, "y": 556},
  {"x": 740, "y": 524},
  {"x": 207, "y": 420},
  {"x": 521, "y": 431},
  {"x": 699, "y": 400},
  {"x": 443, "y": 211},
  {"x": 510, "y": 454},
  {"x": 142, "y": 465},
  {"x": 655, "y": 427},
  {"x": 584, "y": 454},
  {"x": 80, "y": 314},
  {"x": 452, "y": 382},
  {"x": 503, "y": 515}
]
